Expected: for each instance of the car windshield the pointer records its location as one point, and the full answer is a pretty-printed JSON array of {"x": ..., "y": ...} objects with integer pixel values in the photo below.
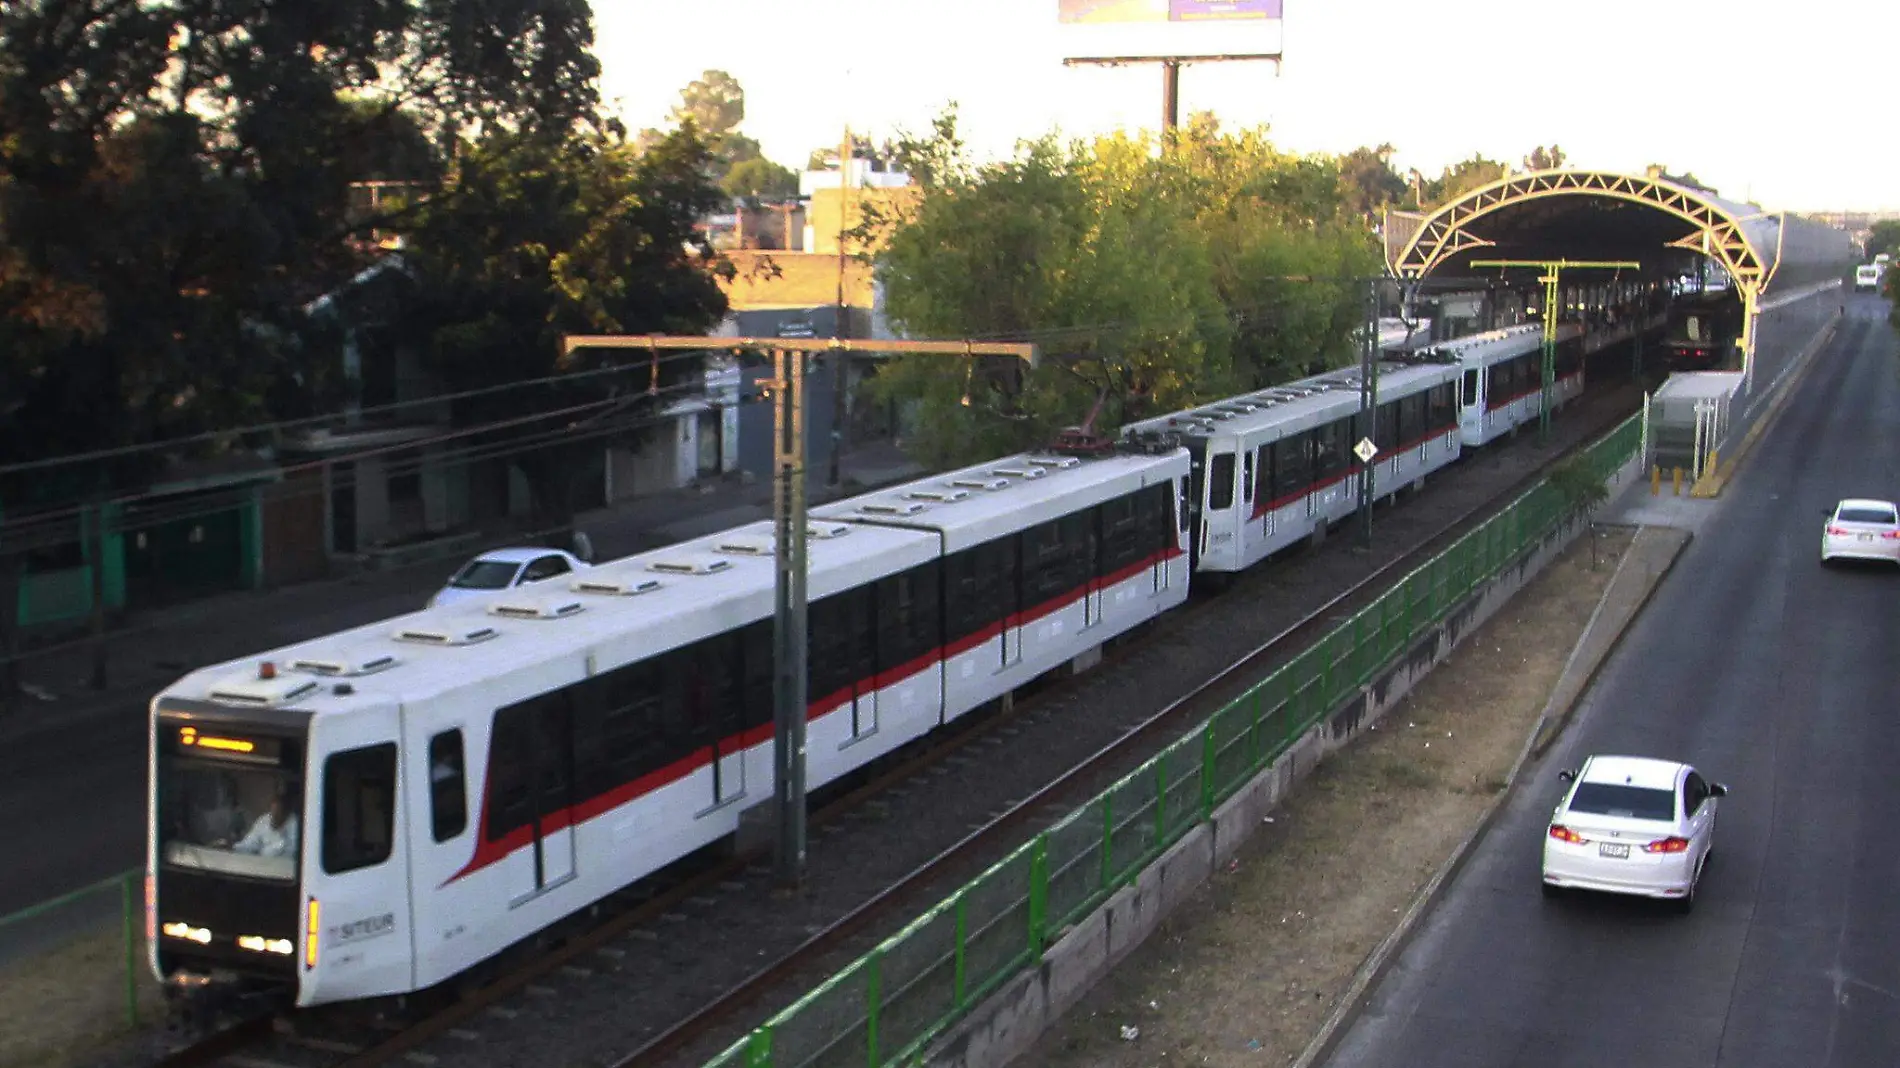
[
  {"x": 230, "y": 819},
  {"x": 1883, "y": 516},
  {"x": 485, "y": 575},
  {"x": 1630, "y": 802}
]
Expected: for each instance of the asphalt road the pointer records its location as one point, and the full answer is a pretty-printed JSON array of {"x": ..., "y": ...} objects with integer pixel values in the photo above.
[{"x": 1777, "y": 678}]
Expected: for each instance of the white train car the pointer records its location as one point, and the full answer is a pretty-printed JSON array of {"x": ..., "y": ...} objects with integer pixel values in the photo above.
[
  {"x": 1502, "y": 384},
  {"x": 452, "y": 781},
  {"x": 1274, "y": 465}
]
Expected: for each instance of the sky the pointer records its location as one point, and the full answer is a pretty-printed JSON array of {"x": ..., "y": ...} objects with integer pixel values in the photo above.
[{"x": 1775, "y": 103}]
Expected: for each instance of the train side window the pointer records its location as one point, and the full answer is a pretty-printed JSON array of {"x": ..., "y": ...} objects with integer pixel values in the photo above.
[
  {"x": 1121, "y": 539},
  {"x": 907, "y": 616},
  {"x": 1263, "y": 474},
  {"x": 1183, "y": 507},
  {"x": 359, "y": 807},
  {"x": 1292, "y": 466},
  {"x": 510, "y": 774},
  {"x": 1386, "y": 435},
  {"x": 1471, "y": 386},
  {"x": 1246, "y": 477},
  {"x": 1329, "y": 450},
  {"x": 448, "y": 786},
  {"x": 1157, "y": 516},
  {"x": 1220, "y": 482}
]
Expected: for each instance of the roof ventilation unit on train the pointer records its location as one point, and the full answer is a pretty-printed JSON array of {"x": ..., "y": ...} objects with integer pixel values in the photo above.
[
  {"x": 826, "y": 531},
  {"x": 1019, "y": 471},
  {"x": 447, "y": 632},
  {"x": 353, "y": 662},
  {"x": 689, "y": 564},
  {"x": 891, "y": 508},
  {"x": 559, "y": 605},
  {"x": 262, "y": 689},
  {"x": 936, "y": 496},
  {"x": 1059, "y": 463},
  {"x": 980, "y": 483},
  {"x": 614, "y": 585},
  {"x": 746, "y": 545}
]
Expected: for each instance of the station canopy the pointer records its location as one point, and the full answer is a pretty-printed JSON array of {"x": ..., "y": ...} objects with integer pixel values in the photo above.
[{"x": 1665, "y": 224}]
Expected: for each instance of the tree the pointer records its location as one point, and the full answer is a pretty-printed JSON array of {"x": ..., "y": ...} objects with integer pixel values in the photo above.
[
  {"x": 714, "y": 103},
  {"x": 1153, "y": 278},
  {"x": 759, "y": 180},
  {"x": 1370, "y": 183},
  {"x": 1883, "y": 236},
  {"x": 825, "y": 157},
  {"x": 174, "y": 183},
  {"x": 1661, "y": 170},
  {"x": 1461, "y": 178},
  {"x": 1545, "y": 159},
  {"x": 554, "y": 235}
]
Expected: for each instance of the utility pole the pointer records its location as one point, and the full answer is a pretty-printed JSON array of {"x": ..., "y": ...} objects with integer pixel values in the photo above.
[
  {"x": 1366, "y": 448},
  {"x": 839, "y": 360},
  {"x": 1553, "y": 270},
  {"x": 791, "y": 693}
]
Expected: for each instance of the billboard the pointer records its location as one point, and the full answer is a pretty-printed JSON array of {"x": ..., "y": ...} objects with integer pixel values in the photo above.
[
  {"x": 1101, "y": 11},
  {"x": 1183, "y": 28}
]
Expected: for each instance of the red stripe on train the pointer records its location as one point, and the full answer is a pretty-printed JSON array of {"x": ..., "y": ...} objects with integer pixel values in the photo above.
[{"x": 489, "y": 853}]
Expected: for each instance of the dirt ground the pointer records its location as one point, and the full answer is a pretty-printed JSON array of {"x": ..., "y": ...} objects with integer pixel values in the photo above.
[
  {"x": 1247, "y": 972},
  {"x": 62, "y": 1005}
]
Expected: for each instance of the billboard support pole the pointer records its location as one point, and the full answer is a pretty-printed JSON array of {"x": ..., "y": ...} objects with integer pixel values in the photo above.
[{"x": 1170, "y": 95}]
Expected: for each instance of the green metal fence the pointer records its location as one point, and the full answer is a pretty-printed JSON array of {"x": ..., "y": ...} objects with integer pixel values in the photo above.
[
  {"x": 72, "y": 969},
  {"x": 889, "y": 1004}
]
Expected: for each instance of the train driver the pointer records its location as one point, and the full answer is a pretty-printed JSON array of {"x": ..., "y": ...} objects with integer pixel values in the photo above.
[{"x": 273, "y": 835}]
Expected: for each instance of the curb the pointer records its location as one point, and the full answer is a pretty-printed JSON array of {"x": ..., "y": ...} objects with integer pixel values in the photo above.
[
  {"x": 1380, "y": 961},
  {"x": 1713, "y": 484},
  {"x": 1556, "y": 717}
]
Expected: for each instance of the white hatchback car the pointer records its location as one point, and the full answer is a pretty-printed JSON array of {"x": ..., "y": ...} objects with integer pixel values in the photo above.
[
  {"x": 501, "y": 569},
  {"x": 1632, "y": 825},
  {"x": 1861, "y": 529}
]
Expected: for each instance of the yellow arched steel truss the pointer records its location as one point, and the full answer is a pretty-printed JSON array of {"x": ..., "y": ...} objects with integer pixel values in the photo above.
[{"x": 1717, "y": 232}]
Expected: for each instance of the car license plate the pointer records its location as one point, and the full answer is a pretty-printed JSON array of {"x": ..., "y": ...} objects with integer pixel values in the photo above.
[
  {"x": 1866, "y": 537},
  {"x": 1613, "y": 849}
]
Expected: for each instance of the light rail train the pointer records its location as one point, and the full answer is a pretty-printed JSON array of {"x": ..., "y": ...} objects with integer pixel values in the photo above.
[{"x": 376, "y": 811}]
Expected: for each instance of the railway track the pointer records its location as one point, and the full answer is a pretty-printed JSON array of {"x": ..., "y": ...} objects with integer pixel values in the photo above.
[{"x": 641, "y": 932}]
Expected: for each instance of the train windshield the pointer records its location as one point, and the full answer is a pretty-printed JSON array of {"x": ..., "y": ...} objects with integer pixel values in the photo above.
[{"x": 231, "y": 803}]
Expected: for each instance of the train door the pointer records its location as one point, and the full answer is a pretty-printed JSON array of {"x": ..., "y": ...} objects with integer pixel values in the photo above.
[
  {"x": 358, "y": 927},
  {"x": 1471, "y": 404},
  {"x": 533, "y": 777}
]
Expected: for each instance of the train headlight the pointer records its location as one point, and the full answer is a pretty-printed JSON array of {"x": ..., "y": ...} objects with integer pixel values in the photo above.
[
  {"x": 200, "y": 935},
  {"x": 283, "y": 947}
]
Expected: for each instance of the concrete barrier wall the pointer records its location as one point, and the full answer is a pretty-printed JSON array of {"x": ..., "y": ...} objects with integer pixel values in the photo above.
[
  {"x": 1783, "y": 329},
  {"x": 1006, "y": 1024}
]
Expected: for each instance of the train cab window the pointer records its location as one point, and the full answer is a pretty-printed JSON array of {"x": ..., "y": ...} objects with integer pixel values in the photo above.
[
  {"x": 1471, "y": 387},
  {"x": 359, "y": 807},
  {"x": 448, "y": 786},
  {"x": 1220, "y": 482}
]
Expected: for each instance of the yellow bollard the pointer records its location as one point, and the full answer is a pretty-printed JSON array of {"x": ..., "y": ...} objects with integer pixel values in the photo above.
[
  {"x": 1678, "y": 481},
  {"x": 1655, "y": 480}
]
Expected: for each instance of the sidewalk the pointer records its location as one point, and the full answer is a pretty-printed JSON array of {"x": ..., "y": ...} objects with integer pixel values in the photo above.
[{"x": 152, "y": 649}]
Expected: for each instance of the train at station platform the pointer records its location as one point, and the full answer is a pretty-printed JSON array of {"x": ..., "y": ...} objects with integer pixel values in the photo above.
[{"x": 377, "y": 811}]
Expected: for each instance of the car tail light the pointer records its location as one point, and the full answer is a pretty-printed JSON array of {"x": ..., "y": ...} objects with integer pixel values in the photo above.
[
  {"x": 1667, "y": 845},
  {"x": 1838, "y": 532},
  {"x": 1565, "y": 834},
  {"x": 1891, "y": 534}
]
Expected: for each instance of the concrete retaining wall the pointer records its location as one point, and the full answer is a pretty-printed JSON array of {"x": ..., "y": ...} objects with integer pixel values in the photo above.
[{"x": 1010, "y": 1021}]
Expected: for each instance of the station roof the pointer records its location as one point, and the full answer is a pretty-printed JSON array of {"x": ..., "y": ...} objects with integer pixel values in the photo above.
[{"x": 1662, "y": 223}]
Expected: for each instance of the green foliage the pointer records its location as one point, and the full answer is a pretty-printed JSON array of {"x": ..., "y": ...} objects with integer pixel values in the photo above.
[
  {"x": 1579, "y": 485},
  {"x": 760, "y": 180},
  {"x": 714, "y": 104},
  {"x": 1545, "y": 159},
  {"x": 546, "y": 236},
  {"x": 1461, "y": 178},
  {"x": 174, "y": 187},
  {"x": 1883, "y": 236},
  {"x": 1370, "y": 183},
  {"x": 1152, "y": 278}
]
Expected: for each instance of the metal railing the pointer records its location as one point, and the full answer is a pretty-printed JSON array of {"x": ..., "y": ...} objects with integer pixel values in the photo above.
[
  {"x": 888, "y": 1005},
  {"x": 72, "y": 966}
]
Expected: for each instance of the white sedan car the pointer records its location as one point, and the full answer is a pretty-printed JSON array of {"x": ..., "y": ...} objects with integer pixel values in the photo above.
[
  {"x": 1632, "y": 825},
  {"x": 1861, "y": 529},
  {"x": 501, "y": 569}
]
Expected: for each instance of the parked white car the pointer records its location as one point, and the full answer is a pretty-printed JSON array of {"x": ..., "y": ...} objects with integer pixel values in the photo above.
[
  {"x": 1861, "y": 529},
  {"x": 501, "y": 569},
  {"x": 1632, "y": 825}
]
